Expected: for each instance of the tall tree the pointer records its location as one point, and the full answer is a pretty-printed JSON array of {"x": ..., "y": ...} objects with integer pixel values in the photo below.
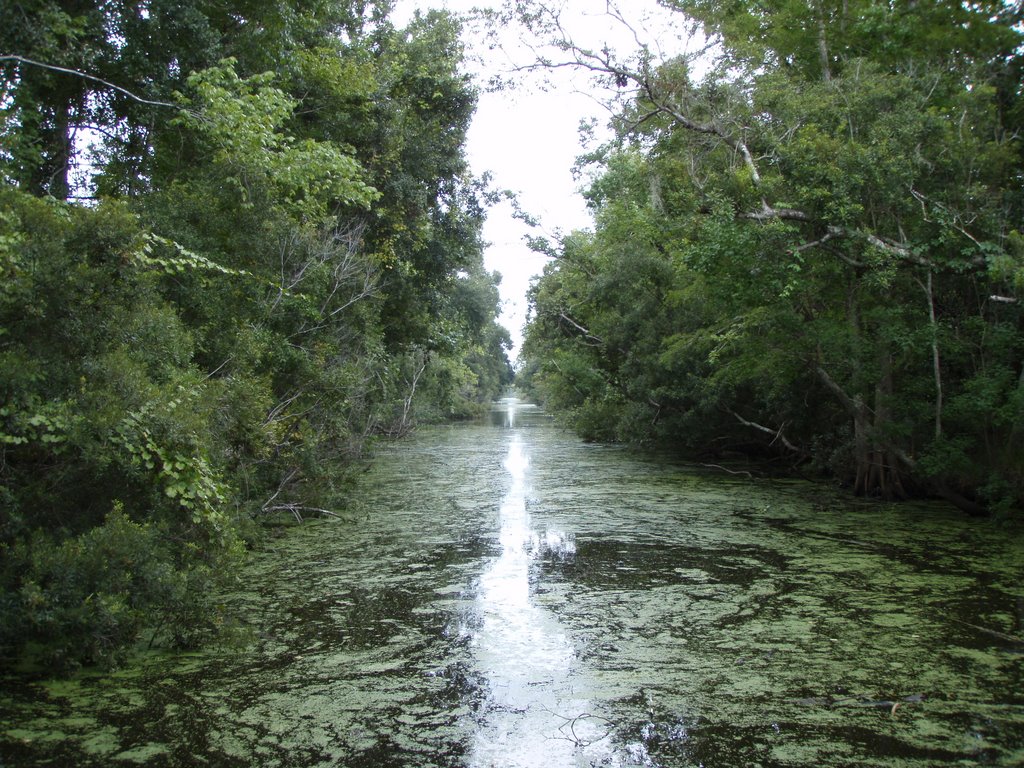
[
  {"x": 279, "y": 261},
  {"x": 848, "y": 205}
]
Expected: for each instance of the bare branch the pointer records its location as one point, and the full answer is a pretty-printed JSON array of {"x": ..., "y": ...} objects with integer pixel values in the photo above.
[
  {"x": 899, "y": 249},
  {"x": 297, "y": 509},
  {"x": 813, "y": 243},
  {"x": 776, "y": 432},
  {"x": 281, "y": 486},
  {"x": 602, "y": 63},
  {"x": 953, "y": 217},
  {"x": 854, "y": 406},
  {"x": 282, "y": 406},
  {"x": 767, "y": 212},
  {"x": 586, "y": 333},
  {"x": 730, "y": 471},
  {"x": 86, "y": 76},
  {"x": 634, "y": 125},
  {"x": 883, "y": 244}
]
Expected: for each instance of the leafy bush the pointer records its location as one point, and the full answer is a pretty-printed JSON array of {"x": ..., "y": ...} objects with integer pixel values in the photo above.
[{"x": 85, "y": 599}]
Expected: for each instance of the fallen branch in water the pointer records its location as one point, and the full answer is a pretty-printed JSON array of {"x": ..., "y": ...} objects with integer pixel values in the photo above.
[
  {"x": 861, "y": 701},
  {"x": 993, "y": 632},
  {"x": 730, "y": 471},
  {"x": 298, "y": 509},
  {"x": 571, "y": 722}
]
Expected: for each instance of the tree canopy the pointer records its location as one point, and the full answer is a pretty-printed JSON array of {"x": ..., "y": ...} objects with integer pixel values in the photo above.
[
  {"x": 810, "y": 253},
  {"x": 238, "y": 242}
]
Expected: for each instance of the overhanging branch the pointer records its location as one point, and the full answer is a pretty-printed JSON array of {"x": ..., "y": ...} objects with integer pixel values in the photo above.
[
  {"x": 87, "y": 76},
  {"x": 768, "y": 212},
  {"x": 598, "y": 341},
  {"x": 777, "y": 433},
  {"x": 661, "y": 101}
]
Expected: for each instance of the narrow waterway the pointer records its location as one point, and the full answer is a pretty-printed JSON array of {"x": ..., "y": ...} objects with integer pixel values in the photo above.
[{"x": 505, "y": 595}]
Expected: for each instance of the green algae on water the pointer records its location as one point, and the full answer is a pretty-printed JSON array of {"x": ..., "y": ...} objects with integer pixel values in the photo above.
[{"x": 518, "y": 598}]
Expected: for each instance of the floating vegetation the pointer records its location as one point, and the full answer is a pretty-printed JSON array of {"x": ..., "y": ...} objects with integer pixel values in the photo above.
[{"x": 519, "y": 598}]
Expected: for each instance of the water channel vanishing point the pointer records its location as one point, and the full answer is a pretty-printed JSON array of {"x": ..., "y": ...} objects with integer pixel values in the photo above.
[{"x": 506, "y": 595}]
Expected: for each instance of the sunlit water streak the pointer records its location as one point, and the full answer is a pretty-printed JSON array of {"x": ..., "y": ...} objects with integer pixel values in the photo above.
[{"x": 530, "y": 715}]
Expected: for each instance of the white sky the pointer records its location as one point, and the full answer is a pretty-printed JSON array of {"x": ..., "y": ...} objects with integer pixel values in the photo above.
[{"x": 528, "y": 138}]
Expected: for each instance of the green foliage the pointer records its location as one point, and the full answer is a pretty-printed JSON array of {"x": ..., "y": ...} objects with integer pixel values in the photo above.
[
  {"x": 273, "y": 270},
  {"x": 240, "y": 121},
  {"x": 85, "y": 599},
  {"x": 811, "y": 255},
  {"x": 182, "y": 262},
  {"x": 183, "y": 476}
]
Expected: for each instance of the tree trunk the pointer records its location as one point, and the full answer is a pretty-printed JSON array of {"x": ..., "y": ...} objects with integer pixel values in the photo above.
[
  {"x": 826, "y": 69},
  {"x": 885, "y": 476},
  {"x": 60, "y": 181},
  {"x": 55, "y": 108},
  {"x": 936, "y": 359},
  {"x": 878, "y": 470}
]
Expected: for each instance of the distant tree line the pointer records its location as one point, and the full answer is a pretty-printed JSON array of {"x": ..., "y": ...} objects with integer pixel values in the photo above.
[
  {"x": 238, "y": 241},
  {"x": 810, "y": 254}
]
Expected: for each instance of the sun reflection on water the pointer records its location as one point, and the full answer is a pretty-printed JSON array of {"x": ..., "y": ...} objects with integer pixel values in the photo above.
[{"x": 521, "y": 646}]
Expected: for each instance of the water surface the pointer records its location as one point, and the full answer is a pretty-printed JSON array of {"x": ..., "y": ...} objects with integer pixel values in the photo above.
[{"x": 506, "y": 595}]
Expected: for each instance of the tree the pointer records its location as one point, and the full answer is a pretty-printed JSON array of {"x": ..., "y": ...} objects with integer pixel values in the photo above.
[
  {"x": 847, "y": 204},
  {"x": 266, "y": 256}
]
